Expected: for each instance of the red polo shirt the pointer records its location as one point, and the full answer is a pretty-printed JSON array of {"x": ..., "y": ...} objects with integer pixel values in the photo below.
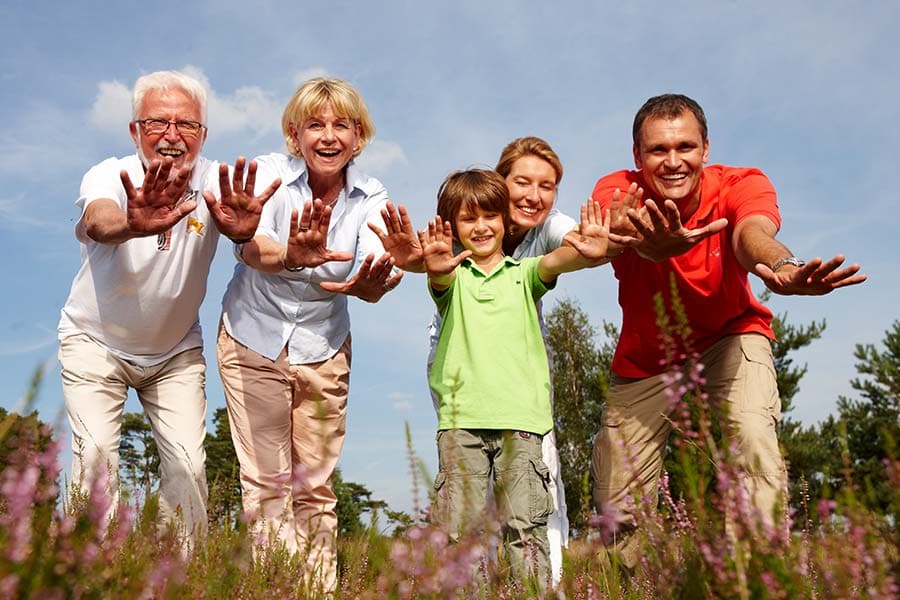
[{"x": 712, "y": 284}]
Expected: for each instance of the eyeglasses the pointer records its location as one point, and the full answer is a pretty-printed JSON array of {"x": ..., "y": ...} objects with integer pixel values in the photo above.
[{"x": 159, "y": 126}]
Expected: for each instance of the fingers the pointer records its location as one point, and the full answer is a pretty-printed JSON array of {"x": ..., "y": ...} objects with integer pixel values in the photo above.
[
  {"x": 657, "y": 218},
  {"x": 672, "y": 215},
  {"x": 306, "y": 215},
  {"x": 335, "y": 256},
  {"x": 295, "y": 224},
  {"x": 405, "y": 221},
  {"x": 225, "y": 187},
  {"x": 250, "y": 184},
  {"x": 377, "y": 230},
  {"x": 269, "y": 191},
  {"x": 457, "y": 260},
  {"x": 130, "y": 192}
]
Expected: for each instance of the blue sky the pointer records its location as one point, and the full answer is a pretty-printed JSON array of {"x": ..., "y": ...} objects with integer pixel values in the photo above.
[{"x": 806, "y": 91}]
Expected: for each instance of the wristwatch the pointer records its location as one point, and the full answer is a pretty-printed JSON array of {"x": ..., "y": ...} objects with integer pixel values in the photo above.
[{"x": 788, "y": 260}]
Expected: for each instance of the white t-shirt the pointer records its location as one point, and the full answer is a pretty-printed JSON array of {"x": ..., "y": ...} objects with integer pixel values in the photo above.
[
  {"x": 140, "y": 299},
  {"x": 266, "y": 311}
]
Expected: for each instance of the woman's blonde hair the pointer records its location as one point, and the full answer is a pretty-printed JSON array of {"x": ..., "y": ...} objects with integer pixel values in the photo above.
[
  {"x": 528, "y": 146},
  {"x": 313, "y": 95}
]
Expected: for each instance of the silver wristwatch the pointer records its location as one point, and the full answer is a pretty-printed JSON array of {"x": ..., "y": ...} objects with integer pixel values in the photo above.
[{"x": 788, "y": 260}]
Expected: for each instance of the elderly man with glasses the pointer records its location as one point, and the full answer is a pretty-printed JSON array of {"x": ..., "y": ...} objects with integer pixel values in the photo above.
[{"x": 131, "y": 319}]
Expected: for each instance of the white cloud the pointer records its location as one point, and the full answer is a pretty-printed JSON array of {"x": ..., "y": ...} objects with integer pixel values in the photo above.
[
  {"x": 249, "y": 108},
  {"x": 112, "y": 107},
  {"x": 379, "y": 157}
]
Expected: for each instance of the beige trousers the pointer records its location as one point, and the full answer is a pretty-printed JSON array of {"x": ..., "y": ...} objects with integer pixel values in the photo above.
[
  {"x": 95, "y": 386},
  {"x": 629, "y": 449},
  {"x": 288, "y": 424}
]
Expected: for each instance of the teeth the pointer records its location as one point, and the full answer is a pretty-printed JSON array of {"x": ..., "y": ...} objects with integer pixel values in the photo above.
[
  {"x": 674, "y": 177},
  {"x": 528, "y": 210}
]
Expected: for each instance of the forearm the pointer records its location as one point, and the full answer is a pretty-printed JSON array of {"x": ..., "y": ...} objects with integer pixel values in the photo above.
[
  {"x": 440, "y": 281},
  {"x": 106, "y": 223},
  {"x": 564, "y": 259},
  {"x": 264, "y": 254},
  {"x": 754, "y": 242}
]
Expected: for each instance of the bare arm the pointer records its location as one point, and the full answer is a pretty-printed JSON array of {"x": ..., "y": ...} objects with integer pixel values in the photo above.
[
  {"x": 305, "y": 244},
  {"x": 584, "y": 248},
  {"x": 151, "y": 209},
  {"x": 757, "y": 250}
]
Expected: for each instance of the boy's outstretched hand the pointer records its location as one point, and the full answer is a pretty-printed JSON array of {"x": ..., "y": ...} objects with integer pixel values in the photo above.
[
  {"x": 437, "y": 250},
  {"x": 591, "y": 239}
]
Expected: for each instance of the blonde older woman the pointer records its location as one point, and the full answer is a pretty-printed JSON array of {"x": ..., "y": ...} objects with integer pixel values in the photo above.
[{"x": 284, "y": 343}]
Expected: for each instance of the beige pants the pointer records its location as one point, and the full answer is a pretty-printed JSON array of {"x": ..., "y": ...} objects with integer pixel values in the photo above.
[
  {"x": 629, "y": 450},
  {"x": 288, "y": 424},
  {"x": 95, "y": 386}
]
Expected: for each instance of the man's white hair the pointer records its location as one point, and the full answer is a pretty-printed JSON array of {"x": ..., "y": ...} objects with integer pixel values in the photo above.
[{"x": 167, "y": 80}]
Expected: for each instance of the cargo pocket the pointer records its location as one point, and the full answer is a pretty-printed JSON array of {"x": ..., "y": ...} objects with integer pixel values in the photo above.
[
  {"x": 759, "y": 385},
  {"x": 541, "y": 501},
  {"x": 439, "y": 499}
]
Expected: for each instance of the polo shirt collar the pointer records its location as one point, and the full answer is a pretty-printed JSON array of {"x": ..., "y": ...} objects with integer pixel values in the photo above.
[{"x": 507, "y": 261}]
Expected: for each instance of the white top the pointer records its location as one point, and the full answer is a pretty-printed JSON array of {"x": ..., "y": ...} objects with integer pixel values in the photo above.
[
  {"x": 140, "y": 299},
  {"x": 266, "y": 311}
]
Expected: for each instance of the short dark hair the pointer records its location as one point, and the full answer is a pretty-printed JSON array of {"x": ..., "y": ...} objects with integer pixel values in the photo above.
[
  {"x": 667, "y": 106},
  {"x": 473, "y": 188}
]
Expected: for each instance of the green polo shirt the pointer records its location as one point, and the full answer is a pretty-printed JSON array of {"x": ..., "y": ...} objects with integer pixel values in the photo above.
[{"x": 490, "y": 367}]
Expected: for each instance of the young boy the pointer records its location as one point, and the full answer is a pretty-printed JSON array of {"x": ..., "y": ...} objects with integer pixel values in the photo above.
[{"x": 490, "y": 371}]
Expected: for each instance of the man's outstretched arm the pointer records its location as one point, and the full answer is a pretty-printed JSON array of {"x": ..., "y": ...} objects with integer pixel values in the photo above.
[{"x": 759, "y": 252}]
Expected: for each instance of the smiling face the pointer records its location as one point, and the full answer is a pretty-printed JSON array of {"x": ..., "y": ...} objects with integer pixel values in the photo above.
[
  {"x": 532, "y": 190},
  {"x": 172, "y": 104},
  {"x": 480, "y": 231},
  {"x": 327, "y": 142},
  {"x": 671, "y": 154}
]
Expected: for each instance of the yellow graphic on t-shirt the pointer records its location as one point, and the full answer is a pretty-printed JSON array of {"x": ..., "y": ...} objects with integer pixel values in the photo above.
[{"x": 195, "y": 226}]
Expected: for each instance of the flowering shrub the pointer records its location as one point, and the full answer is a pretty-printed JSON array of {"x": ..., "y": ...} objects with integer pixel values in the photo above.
[{"x": 703, "y": 541}]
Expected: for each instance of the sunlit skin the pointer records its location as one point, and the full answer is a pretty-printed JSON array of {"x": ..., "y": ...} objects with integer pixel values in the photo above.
[
  {"x": 480, "y": 232},
  {"x": 532, "y": 191},
  {"x": 170, "y": 105},
  {"x": 671, "y": 154},
  {"x": 327, "y": 142}
]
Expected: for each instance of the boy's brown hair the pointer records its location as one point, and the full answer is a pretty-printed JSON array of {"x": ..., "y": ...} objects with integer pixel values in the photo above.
[{"x": 473, "y": 188}]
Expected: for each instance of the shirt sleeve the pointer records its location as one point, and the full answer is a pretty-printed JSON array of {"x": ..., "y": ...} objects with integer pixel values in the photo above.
[
  {"x": 554, "y": 229},
  {"x": 606, "y": 186},
  {"x": 368, "y": 242},
  {"x": 100, "y": 182},
  {"x": 275, "y": 214},
  {"x": 749, "y": 192},
  {"x": 538, "y": 287}
]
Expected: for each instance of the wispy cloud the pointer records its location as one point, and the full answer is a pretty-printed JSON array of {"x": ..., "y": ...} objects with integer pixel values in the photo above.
[
  {"x": 19, "y": 347},
  {"x": 380, "y": 157},
  {"x": 248, "y": 108},
  {"x": 19, "y": 211}
]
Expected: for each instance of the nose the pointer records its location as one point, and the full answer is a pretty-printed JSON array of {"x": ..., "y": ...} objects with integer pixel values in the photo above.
[
  {"x": 673, "y": 159},
  {"x": 328, "y": 134},
  {"x": 172, "y": 134}
]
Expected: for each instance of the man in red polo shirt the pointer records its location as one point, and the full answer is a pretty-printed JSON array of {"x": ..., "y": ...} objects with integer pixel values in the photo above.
[{"x": 705, "y": 228}]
